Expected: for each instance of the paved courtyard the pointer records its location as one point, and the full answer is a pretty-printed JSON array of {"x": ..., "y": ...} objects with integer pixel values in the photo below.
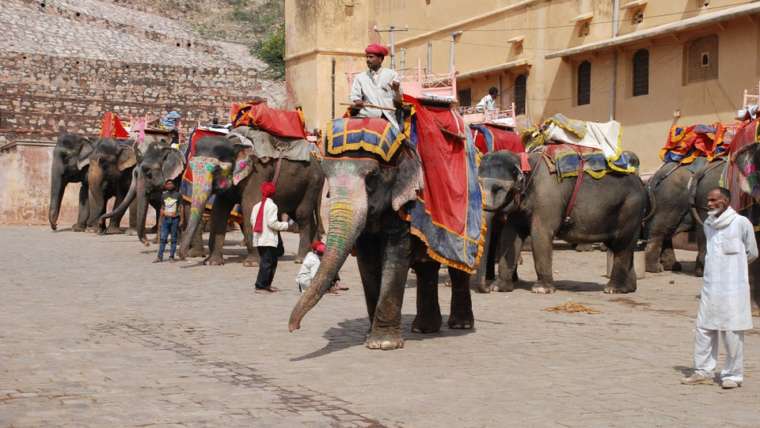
[{"x": 94, "y": 334}]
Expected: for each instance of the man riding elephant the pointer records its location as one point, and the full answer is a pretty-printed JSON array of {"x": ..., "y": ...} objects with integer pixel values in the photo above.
[{"x": 378, "y": 87}]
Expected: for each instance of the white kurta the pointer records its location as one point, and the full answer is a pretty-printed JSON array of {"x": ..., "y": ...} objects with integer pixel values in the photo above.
[
  {"x": 268, "y": 236},
  {"x": 308, "y": 270},
  {"x": 725, "y": 300},
  {"x": 374, "y": 87}
]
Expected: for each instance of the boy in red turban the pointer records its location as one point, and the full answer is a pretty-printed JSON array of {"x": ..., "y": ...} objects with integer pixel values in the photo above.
[
  {"x": 266, "y": 237},
  {"x": 379, "y": 86}
]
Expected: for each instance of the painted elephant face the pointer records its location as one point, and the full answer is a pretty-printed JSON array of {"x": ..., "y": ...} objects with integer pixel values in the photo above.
[
  {"x": 502, "y": 179},
  {"x": 361, "y": 190},
  {"x": 748, "y": 162}
]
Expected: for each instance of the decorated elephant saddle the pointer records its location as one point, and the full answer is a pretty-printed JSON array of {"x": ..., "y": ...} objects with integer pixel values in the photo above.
[{"x": 372, "y": 135}]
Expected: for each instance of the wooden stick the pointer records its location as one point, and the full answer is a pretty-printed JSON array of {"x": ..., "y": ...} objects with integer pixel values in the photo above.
[{"x": 371, "y": 106}]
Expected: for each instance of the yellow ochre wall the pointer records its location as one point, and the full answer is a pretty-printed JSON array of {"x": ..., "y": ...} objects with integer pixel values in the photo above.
[{"x": 320, "y": 31}]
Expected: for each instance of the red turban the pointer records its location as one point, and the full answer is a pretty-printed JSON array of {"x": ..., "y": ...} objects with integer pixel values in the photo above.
[
  {"x": 267, "y": 191},
  {"x": 318, "y": 246},
  {"x": 376, "y": 49}
]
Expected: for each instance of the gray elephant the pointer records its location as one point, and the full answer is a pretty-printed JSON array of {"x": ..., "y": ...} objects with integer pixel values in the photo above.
[
  {"x": 158, "y": 163},
  {"x": 608, "y": 210},
  {"x": 109, "y": 175},
  {"x": 673, "y": 213},
  {"x": 233, "y": 174},
  {"x": 69, "y": 166},
  {"x": 366, "y": 195}
]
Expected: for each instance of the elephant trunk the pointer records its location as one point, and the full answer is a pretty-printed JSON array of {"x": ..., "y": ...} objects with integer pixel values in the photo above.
[
  {"x": 122, "y": 208},
  {"x": 57, "y": 187},
  {"x": 97, "y": 198},
  {"x": 142, "y": 206},
  {"x": 347, "y": 218},
  {"x": 203, "y": 179}
]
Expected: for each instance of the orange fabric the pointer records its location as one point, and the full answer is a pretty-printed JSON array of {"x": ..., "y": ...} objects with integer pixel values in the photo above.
[
  {"x": 111, "y": 127},
  {"x": 281, "y": 123}
]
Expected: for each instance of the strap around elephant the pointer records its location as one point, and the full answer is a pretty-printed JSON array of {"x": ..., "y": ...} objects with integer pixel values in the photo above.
[
  {"x": 576, "y": 189},
  {"x": 276, "y": 171}
]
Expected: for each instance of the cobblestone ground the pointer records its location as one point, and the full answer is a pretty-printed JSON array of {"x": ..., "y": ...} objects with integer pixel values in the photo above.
[{"x": 93, "y": 334}]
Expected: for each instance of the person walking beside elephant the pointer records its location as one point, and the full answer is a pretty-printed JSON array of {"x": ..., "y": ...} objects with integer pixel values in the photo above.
[
  {"x": 171, "y": 217},
  {"x": 266, "y": 237},
  {"x": 724, "y": 306}
]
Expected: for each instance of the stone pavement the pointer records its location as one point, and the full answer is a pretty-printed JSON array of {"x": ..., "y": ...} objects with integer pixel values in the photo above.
[{"x": 93, "y": 334}]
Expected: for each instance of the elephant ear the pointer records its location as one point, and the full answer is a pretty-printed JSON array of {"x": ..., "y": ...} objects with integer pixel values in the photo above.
[
  {"x": 243, "y": 166},
  {"x": 409, "y": 179},
  {"x": 173, "y": 165},
  {"x": 127, "y": 158},
  {"x": 85, "y": 150}
]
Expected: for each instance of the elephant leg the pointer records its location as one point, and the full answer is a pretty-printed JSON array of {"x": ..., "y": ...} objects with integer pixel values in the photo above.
[
  {"x": 135, "y": 215},
  {"x": 701, "y": 251},
  {"x": 84, "y": 211},
  {"x": 306, "y": 230},
  {"x": 369, "y": 261},
  {"x": 220, "y": 212},
  {"x": 623, "y": 275},
  {"x": 386, "y": 327},
  {"x": 653, "y": 254},
  {"x": 196, "y": 245},
  {"x": 508, "y": 256},
  {"x": 542, "y": 237},
  {"x": 115, "y": 222},
  {"x": 428, "y": 319},
  {"x": 460, "y": 316},
  {"x": 668, "y": 257},
  {"x": 247, "y": 203}
]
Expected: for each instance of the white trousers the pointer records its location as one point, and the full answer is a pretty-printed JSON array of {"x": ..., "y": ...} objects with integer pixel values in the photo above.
[{"x": 706, "y": 353}]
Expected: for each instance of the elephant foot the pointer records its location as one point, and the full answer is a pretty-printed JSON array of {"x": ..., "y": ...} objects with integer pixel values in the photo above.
[
  {"x": 612, "y": 289},
  {"x": 676, "y": 267},
  {"x": 251, "y": 261},
  {"x": 461, "y": 321},
  {"x": 131, "y": 232},
  {"x": 543, "y": 289},
  {"x": 77, "y": 227},
  {"x": 385, "y": 340},
  {"x": 482, "y": 288},
  {"x": 427, "y": 324},
  {"x": 113, "y": 230},
  {"x": 503, "y": 286},
  {"x": 214, "y": 260}
]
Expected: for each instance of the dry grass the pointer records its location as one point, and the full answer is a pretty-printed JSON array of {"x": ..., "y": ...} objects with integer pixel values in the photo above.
[{"x": 571, "y": 307}]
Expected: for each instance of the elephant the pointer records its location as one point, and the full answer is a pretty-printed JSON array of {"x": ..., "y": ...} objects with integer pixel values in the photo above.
[
  {"x": 67, "y": 167},
  {"x": 609, "y": 210},
  {"x": 110, "y": 164},
  {"x": 673, "y": 214},
  {"x": 233, "y": 174},
  {"x": 366, "y": 199},
  {"x": 158, "y": 163}
]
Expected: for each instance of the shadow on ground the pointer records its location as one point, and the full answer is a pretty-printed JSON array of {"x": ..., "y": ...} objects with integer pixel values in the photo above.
[{"x": 353, "y": 332}]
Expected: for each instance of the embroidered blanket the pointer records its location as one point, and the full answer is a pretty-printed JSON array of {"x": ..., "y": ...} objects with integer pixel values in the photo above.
[
  {"x": 604, "y": 137},
  {"x": 111, "y": 127},
  {"x": 186, "y": 186},
  {"x": 685, "y": 144},
  {"x": 489, "y": 138},
  {"x": 282, "y": 123},
  {"x": 448, "y": 216},
  {"x": 371, "y": 135},
  {"x": 565, "y": 161},
  {"x": 267, "y": 146}
]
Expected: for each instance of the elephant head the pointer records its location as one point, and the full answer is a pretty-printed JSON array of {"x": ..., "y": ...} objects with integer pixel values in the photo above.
[
  {"x": 213, "y": 166},
  {"x": 362, "y": 189},
  {"x": 503, "y": 181},
  {"x": 158, "y": 163},
  {"x": 69, "y": 151},
  {"x": 747, "y": 160},
  {"x": 108, "y": 161}
]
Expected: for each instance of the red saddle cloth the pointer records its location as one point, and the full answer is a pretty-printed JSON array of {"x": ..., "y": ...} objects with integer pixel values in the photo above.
[
  {"x": 111, "y": 127},
  {"x": 281, "y": 123},
  {"x": 502, "y": 139}
]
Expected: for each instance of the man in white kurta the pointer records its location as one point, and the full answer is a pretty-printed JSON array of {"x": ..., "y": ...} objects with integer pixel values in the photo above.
[
  {"x": 378, "y": 86},
  {"x": 725, "y": 309}
]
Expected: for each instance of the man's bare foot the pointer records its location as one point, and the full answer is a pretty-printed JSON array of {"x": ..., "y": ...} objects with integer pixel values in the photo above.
[{"x": 267, "y": 290}]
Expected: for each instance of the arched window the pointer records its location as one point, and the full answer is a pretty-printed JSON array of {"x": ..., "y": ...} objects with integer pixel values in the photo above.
[
  {"x": 584, "y": 83},
  {"x": 641, "y": 72},
  {"x": 521, "y": 83}
]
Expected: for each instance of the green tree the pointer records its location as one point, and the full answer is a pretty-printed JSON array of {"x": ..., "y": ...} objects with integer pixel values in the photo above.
[{"x": 271, "y": 50}]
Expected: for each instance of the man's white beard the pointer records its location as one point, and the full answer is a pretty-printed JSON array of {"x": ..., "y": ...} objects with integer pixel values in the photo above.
[{"x": 713, "y": 212}]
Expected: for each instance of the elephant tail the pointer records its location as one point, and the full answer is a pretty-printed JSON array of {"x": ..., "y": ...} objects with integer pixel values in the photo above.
[{"x": 692, "y": 186}]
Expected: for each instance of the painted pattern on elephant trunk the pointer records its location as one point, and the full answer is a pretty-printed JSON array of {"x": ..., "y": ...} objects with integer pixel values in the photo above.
[{"x": 348, "y": 215}]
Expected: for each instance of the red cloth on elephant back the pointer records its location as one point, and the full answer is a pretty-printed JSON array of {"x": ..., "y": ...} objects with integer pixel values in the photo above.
[
  {"x": 502, "y": 139},
  {"x": 111, "y": 127},
  {"x": 281, "y": 123}
]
